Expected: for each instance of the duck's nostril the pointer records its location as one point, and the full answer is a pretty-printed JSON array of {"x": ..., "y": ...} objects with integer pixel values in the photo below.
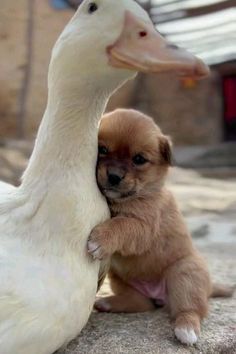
[
  {"x": 142, "y": 34},
  {"x": 114, "y": 180}
]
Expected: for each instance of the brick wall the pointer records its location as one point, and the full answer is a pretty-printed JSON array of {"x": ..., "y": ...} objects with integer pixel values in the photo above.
[{"x": 191, "y": 113}]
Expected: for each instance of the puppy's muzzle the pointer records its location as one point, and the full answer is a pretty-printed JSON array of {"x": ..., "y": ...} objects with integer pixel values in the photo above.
[{"x": 115, "y": 176}]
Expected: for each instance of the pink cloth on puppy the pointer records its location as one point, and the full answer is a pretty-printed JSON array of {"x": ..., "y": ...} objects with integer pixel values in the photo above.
[{"x": 153, "y": 290}]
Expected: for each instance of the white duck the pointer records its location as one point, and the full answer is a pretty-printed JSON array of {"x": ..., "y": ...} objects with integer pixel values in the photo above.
[
  {"x": 47, "y": 280},
  {"x": 5, "y": 187}
]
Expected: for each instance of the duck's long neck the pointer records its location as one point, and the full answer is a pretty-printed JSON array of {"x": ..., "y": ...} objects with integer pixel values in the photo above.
[{"x": 67, "y": 137}]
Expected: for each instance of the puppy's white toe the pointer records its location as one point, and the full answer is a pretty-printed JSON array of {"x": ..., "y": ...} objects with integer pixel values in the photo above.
[
  {"x": 186, "y": 335},
  {"x": 94, "y": 249},
  {"x": 92, "y": 246}
]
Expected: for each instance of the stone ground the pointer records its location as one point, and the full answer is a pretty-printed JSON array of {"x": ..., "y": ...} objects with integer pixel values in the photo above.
[{"x": 209, "y": 206}]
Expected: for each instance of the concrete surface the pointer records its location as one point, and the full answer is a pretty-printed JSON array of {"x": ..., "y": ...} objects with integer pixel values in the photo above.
[{"x": 151, "y": 333}]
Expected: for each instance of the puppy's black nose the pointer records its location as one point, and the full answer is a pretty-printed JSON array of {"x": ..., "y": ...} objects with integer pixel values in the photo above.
[{"x": 113, "y": 179}]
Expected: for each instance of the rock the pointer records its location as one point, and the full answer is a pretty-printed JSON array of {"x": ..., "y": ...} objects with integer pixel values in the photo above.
[{"x": 151, "y": 333}]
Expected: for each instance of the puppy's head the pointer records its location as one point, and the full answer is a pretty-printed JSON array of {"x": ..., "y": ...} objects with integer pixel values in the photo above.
[{"x": 133, "y": 156}]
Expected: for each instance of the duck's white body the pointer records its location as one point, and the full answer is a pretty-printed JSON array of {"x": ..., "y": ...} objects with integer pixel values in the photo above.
[
  {"x": 5, "y": 187},
  {"x": 47, "y": 279}
]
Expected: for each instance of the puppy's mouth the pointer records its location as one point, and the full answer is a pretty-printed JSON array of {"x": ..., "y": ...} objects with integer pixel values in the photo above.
[{"x": 113, "y": 193}]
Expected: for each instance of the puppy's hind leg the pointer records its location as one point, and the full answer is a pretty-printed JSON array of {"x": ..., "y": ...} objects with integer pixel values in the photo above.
[
  {"x": 125, "y": 299},
  {"x": 188, "y": 287}
]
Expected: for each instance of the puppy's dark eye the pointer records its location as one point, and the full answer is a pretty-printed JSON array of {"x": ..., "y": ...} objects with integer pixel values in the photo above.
[
  {"x": 92, "y": 7},
  {"x": 102, "y": 150},
  {"x": 139, "y": 160}
]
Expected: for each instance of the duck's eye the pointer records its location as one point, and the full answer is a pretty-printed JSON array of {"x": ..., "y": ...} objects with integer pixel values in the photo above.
[
  {"x": 142, "y": 34},
  {"x": 102, "y": 150},
  {"x": 139, "y": 160},
  {"x": 92, "y": 7}
]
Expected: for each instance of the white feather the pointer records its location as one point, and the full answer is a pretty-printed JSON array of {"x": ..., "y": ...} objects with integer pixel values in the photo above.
[{"x": 5, "y": 188}]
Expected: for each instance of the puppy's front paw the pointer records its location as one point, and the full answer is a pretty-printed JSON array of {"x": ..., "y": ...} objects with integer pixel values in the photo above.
[{"x": 100, "y": 243}]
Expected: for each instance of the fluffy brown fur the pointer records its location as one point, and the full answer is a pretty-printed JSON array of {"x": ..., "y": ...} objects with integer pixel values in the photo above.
[{"x": 146, "y": 236}]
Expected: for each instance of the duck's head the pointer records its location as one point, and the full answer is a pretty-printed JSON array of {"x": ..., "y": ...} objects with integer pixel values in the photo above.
[{"x": 108, "y": 41}]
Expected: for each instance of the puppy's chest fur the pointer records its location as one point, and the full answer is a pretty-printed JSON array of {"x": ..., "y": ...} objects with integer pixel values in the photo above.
[{"x": 169, "y": 237}]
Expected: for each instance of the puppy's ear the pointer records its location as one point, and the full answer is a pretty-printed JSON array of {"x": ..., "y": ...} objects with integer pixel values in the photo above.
[{"x": 165, "y": 146}]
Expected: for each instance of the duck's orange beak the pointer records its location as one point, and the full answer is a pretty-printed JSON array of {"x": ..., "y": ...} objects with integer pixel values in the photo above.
[{"x": 141, "y": 48}]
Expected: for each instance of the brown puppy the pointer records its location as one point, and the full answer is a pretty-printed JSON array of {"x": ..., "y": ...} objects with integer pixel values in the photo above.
[{"x": 153, "y": 258}]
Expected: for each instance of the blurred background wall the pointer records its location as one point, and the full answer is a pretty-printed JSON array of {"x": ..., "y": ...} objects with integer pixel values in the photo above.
[{"x": 192, "y": 112}]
